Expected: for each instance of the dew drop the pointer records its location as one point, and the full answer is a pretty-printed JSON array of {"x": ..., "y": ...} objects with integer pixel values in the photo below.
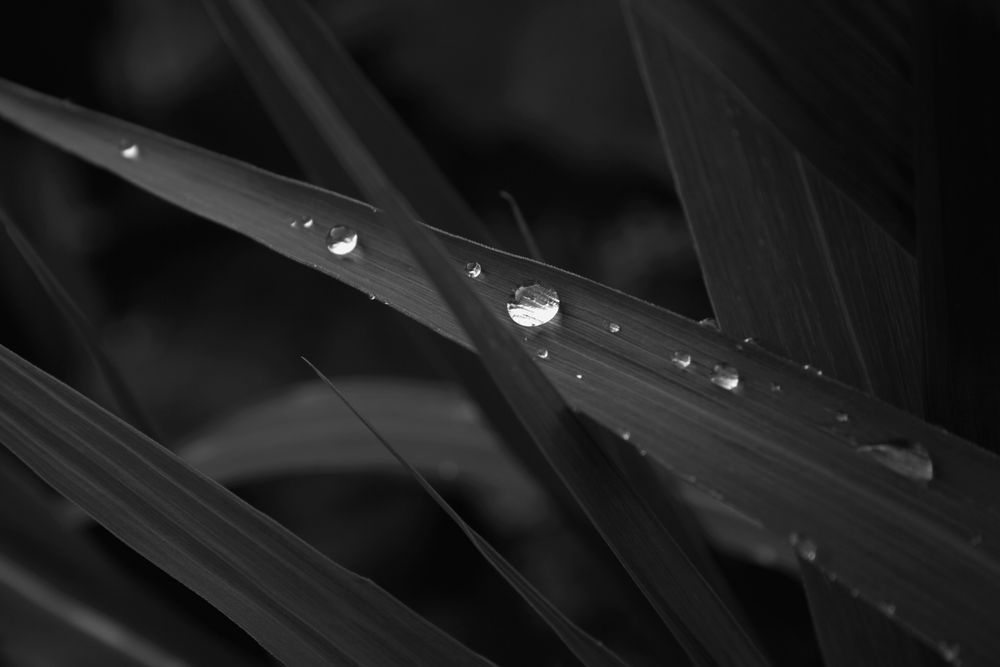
[
  {"x": 749, "y": 341},
  {"x": 542, "y": 353},
  {"x": 579, "y": 376},
  {"x": 642, "y": 452},
  {"x": 812, "y": 369},
  {"x": 371, "y": 297},
  {"x": 307, "y": 223},
  {"x": 130, "y": 151},
  {"x": 807, "y": 549},
  {"x": 949, "y": 652},
  {"x": 681, "y": 359},
  {"x": 341, "y": 240},
  {"x": 726, "y": 377},
  {"x": 626, "y": 434},
  {"x": 842, "y": 417},
  {"x": 473, "y": 269},
  {"x": 887, "y": 608},
  {"x": 533, "y": 305},
  {"x": 614, "y": 327},
  {"x": 775, "y": 387},
  {"x": 912, "y": 461},
  {"x": 709, "y": 323}
]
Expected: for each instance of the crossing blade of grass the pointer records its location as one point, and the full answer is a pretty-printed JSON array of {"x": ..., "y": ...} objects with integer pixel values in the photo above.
[
  {"x": 522, "y": 226},
  {"x": 583, "y": 646},
  {"x": 832, "y": 77},
  {"x": 790, "y": 262},
  {"x": 116, "y": 384},
  {"x": 301, "y": 607},
  {"x": 433, "y": 426},
  {"x": 410, "y": 167},
  {"x": 700, "y": 615},
  {"x": 771, "y": 448}
]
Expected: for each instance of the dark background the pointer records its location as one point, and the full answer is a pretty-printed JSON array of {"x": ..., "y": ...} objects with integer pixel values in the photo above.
[{"x": 539, "y": 98}]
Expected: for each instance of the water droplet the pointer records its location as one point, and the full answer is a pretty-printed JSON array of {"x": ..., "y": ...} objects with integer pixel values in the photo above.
[
  {"x": 749, "y": 341},
  {"x": 533, "y": 305},
  {"x": 579, "y": 376},
  {"x": 725, "y": 376},
  {"x": 130, "y": 151},
  {"x": 307, "y": 223},
  {"x": 949, "y": 652},
  {"x": 807, "y": 550},
  {"x": 709, "y": 323},
  {"x": 887, "y": 608},
  {"x": 681, "y": 359},
  {"x": 371, "y": 297},
  {"x": 909, "y": 460},
  {"x": 976, "y": 540},
  {"x": 543, "y": 353},
  {"x": 775, "y": 387},
  {"x": 642, "y": 452},
  {"x": 842, "y": 417},
  {"x": 473, "y": 269},
  {"x": 341, "y": 240},
  {"x": 613, "y": 327},
  {"x": 812, "y": 369},
  {"x": 626, "y": 434}
]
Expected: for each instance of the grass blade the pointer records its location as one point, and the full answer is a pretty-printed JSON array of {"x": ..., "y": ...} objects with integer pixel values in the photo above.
[
  {"x": 116, "y": 384},
  {"x": 654, "y": 555},
  {"x": 778, "y": 456},
  {"x": 534, "y": 252},
  {"x": 300, "y": 606},
  {"x": 435, "y": 427},
  {"x": 409, "y": 166},
  {"x": 831, "y": 77},
  {"x": 580, "y": 643},
  {"x": 793, "y": 264}
]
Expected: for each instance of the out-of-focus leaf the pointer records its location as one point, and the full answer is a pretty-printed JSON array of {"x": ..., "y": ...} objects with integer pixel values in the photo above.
[
  {"x": 584, "y": 647},
  {"x": 396, "y": 149},
  {"x": 779, "y": 456},
  {"x": 831, "y": 76},
  {"x": 85, "y": 333},
  {"x": 793, "y": 264},
  {"x": 437, "y": 429},
  {"x": 958, "y": 178},
  {"x": 303, "y": 608}
]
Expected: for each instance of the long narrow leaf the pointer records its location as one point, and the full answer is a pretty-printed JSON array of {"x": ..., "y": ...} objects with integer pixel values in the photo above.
[
  {"x": 300, "y": 606},
  {"x": 791, "y": 263},
  {"x": 580, "y": 643},
  {"x": 772, "y": 449},
  {"x": 409, "y": 166},
  {"x": 832, "y": 77}
]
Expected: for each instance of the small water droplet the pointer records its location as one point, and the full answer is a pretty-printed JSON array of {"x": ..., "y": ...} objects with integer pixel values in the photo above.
[
  {"x": 341, "y": 240},
  {"x": 812, "y": 369},
  {"x": 681, "y": 359},
  {"x": 909, "y": 460},
  {"x": 807, "y": 549},
  {"x": 543, "y": 353},
  {"x": 579, "y": 376},
  {"x": 775, "y": 387},
  {"x": 642, "y": 452},
  {"x": 130, "y": 151},
  {"x": 533, "y": 305},
  {"x": 949, "y": 652},
  {"x": 371, "y": 297},
  {"x": 473, "y": 269},
  {"x": 976, "y": 539},
  {"x": 626, "y": 434},
  {"x": 614, "y": 327},
  {"x": 831, "y": 575},
  {"x": 887, "y": 608},
  {"x": 709, "y": 323},
  {"x": 725, "y": 376},
  {"x": 842, "y": 417},
  {"x": 749, "y": 341},
  {"x": 307, "y": 223}
]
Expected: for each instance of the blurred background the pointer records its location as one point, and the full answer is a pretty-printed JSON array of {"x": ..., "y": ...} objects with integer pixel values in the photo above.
[{"x": 203, "y": 323}]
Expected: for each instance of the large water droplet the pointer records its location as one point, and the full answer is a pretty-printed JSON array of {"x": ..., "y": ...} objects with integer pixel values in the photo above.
[
  {"x": 341, "y": 240},
  {"x": 473, "y": 269},
  {"x": 543, "y": 353},
  {"x": 130, "y": 151},
  {"x": 533, "y": 305},
  {"x": 681, "y": 359},
  {"x": 614, "y": 327},
  {"x": 725, "y": 376},
  {"x": 709, "y": 323},
  {"x": 912, "y": 461}
]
